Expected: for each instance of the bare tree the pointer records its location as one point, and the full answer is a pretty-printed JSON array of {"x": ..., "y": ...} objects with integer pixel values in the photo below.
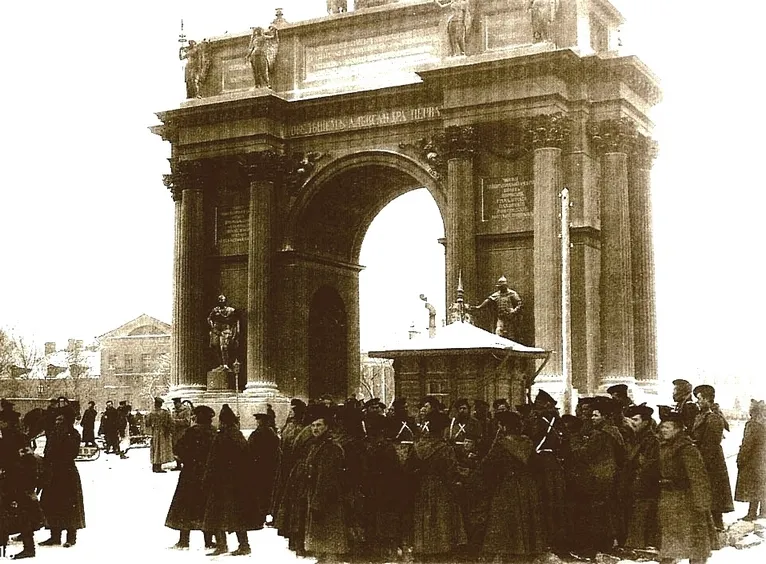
[
  {"x": 18, "y": 355},
  {"x": 6, "y": 354},
  {"x": 158, "y": 383}
]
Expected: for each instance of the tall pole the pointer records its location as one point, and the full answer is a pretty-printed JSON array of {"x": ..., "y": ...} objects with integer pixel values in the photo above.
[{"x": 566, "y": 324}]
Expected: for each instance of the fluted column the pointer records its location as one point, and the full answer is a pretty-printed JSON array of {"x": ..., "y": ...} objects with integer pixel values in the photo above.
[
  {"x": 612, "y": 139},
  {"x": 461, "y": 215},
  {"x": 175, "y": 191},
  {"x": 642, "y": 255},
  {"x": 262, "y": 169},
  {"x": 549, "y": 134},
  {"x": 190, "y": 321}
]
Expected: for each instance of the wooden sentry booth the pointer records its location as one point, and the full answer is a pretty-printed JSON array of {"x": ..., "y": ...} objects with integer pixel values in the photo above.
[{"x": 464, "y": 361}]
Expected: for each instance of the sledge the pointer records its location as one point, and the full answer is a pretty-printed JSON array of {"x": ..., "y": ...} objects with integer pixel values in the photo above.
[{"x": 87, "y": 453}]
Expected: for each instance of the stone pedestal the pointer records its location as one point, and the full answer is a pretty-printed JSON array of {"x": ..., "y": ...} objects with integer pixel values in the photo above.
[{"x": 218, "y": 380}]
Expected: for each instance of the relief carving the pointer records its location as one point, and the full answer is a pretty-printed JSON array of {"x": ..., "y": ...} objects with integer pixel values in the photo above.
[
  {"x": 428, "y": 150},
  {"x": 300, "y": 167}
]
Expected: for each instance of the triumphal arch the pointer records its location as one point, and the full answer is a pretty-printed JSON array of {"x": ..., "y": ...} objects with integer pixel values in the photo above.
[{"x": 295, "y": 135}]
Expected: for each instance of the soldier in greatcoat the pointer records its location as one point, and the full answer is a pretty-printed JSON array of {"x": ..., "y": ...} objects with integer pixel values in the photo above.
[
  {"x": 293, "y": 427},
  {"x": 543, "y": 425},
  {"x": 462, "y": 424},
  {"x": 187, "y": 509},
  {"x": 181, "y": 416},
  {"x": 231, "y": 503},
  {"x": 382, "y": 487},
  {"x": 707, "y": 434},
  {"x": 596, "y": 517},
  {"x": 161, "y": 426},
  {"x": 642, "y": 474},
  {"x": 437, "y": 521},
  {"x": 19, "y": 478},
  {"x": 263, "y": 444},
  {"x": 685, "y": 523},
  {"x": 324, "y": 505},
  {"x": 88, "y": 423},
  {"x": 61, "y": 498},
  {"x": 514, "y": 523},
  {"x": 751, "y": 463}
]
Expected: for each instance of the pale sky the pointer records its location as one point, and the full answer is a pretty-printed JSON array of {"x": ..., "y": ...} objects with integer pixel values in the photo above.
[{"x": 87, "y": 226}]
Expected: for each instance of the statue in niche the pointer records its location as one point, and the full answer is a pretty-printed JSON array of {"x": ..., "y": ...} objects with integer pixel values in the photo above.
[
  {"x": 543, "y": 14},
  {"x": 262, "y": 53},
  {"x": 458, "y": 24},
  {"x": 337, "y": 6},
  {"x": 224, "y": 331},
  {"x": 198, "y": 62},
  {"x": 506, "y": 304}
]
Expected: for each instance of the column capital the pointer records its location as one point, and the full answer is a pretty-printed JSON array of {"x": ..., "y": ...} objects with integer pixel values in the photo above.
[
  {"x": 264, "y": 166},
  {"x": 460, "y": 141},
  {"x": 643, "y": 151},
  {"x": 183, "y": 175},
  {"x": 613, "y": 135},
  {"x": 547, "y": 131}
]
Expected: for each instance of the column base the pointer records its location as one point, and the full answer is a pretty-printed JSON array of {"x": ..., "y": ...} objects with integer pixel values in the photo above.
[
  {"x": 262, "y": 393},
  {"x": 186, "y": 391}
]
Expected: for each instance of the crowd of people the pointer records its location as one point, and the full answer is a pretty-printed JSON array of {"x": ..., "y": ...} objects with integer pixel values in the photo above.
[{"x": 472, "y": 482}]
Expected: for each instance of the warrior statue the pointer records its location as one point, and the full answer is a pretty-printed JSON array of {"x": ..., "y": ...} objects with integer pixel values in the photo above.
[
  {"x": 262, "y": 53},
  {"x": 506, "y": 304},
  {"x": 458, "y": 24},
  {"x": 197, "y": 66},
  {"x": 543, "y": 14},
  {"x": 224, "y": 331}
]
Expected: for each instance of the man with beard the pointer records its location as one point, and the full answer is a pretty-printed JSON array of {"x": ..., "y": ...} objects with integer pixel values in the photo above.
[
  {"x": 462, "y": 424},
  {"x": 707, "y": 434},
  {"x": 187, "y": 510},
  {"x": 263, "y": 444}
]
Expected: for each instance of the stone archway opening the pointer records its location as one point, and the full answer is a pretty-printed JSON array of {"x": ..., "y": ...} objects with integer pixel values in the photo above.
[{"x": 323, "y": 263}]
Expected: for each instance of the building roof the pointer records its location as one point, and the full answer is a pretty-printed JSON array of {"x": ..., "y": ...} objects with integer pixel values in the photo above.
[
  {"x": 459, "y": 338},
  {"x": 142, "y": 326}
]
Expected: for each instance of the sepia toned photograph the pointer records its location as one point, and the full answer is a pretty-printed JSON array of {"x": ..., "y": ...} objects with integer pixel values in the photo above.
[{"x": 383, "y": 281}]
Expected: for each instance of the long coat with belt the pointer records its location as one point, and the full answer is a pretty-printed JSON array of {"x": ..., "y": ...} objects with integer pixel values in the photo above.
[
  {"x": 707, "y": 434},
  {"x": 231, "y": 503},
  {"x": 686, "y": 525},
  {"x": 160, "y": 423},
  {"x": 514, "y": 523},
  {"x": 263, "y": 444},
  {"x": 437, "y": 521},
  {"x": 751, "y": 463},
  {"x": 642, "y": 474},
  {"x": 88, "y": 423},
  {"x": 61, "y": 498},
  {"x": 187, "y": 510}
]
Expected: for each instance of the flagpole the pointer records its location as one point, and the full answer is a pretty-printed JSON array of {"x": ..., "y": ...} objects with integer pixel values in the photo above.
[{"x": 566, "y": 323}]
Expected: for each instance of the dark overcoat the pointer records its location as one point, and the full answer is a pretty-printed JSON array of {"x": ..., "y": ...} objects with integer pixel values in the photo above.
[
  {"x": 61, "y": 498},
  {"x": 686, "y": 525},
  {"x": 19, "y": 507},
  {"x": 546, "y": 430},
  {"x": 88, "y": 423},
  {"x": 514, "y": 523},
  {"x": 263, "y": 444},
  {"x": 231, "y": 503},
  {"x": 327, "y": 525},
  {"x": 707, "y": 434},
  {"x": 160, "y": 423},
  {"x": 382, "y": 490},
  {"x": 751, "y": 463},
  {"x": 294, "y": 434},
  {"x": 642, "y": 475},
  {"x": 291, "y": 503},
  {"x": 595, "y": 518},
  {"x": 187, "y": 510},
  {"x": 437, "y": 521}
]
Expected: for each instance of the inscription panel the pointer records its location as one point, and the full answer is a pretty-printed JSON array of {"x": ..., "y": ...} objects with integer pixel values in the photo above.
[
  {"x": 237, "y": 74},
  {"x": 232, "y": 230},
  {"x": 393, "y": 116},
  {"x": 508, "y": 198},
  {"x": 375, "y": 56}
]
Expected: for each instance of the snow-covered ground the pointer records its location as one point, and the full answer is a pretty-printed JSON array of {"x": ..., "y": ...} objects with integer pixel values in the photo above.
[{"x": 126, "y": 504}]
